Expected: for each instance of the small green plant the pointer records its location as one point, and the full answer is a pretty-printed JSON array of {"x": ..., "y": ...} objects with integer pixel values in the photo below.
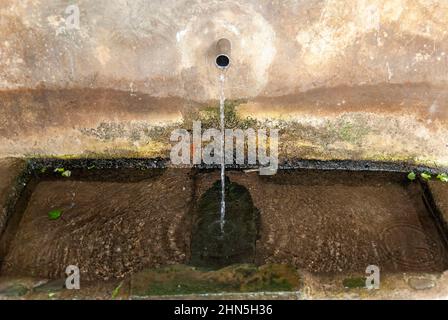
[
  {"x": 66, "y": 173},
  {"x": 54, "y": 214},
  {"x": 412, "y": 176},
  {"x": 91, "y": 167},
  {"x": 443, "y": 177},
  {"x": 426, "y": 176},
  {"x": 116, "y": 290},
  {"x": 43, "y": 170},
  {"x": 63, "y": 172}
]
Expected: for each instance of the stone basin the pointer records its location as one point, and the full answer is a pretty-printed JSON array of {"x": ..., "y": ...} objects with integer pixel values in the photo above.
[
  {"x": 123, "y": 218},
  {"x": 91, "y": 92}
]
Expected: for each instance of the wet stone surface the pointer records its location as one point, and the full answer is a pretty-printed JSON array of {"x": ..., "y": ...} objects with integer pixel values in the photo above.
[
  {"x": 13, "y": 290},
  {"x": 51, "y": 286},
  {"x": 213, "y": 247},
  {"x": 420, "y": 283},
  {"x": 115, "y": 223},
  {"x": 110, "y": 225},
  {"x": 10, "y": 180},
  {"x": 439, "y": 193},
  {"x": 339, "y": 222}
]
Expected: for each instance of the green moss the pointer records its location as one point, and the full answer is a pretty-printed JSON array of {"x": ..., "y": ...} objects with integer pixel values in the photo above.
[
  {"x": 185, "y": 286},
  {"x": 356, "y": 282},
  {"x": 349, "y": 131},
  {"x": 14, "y": 290},
  {"x": 181, "y": 279},
  {"x": 210, "y": 117}
]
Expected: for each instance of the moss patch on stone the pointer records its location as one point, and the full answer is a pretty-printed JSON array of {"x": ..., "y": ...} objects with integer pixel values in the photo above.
[
  {"x": 355, "y": 282},
  {"x": 210, "y": 117},
  {"x": 182, "y": 279},
  {"x": 14, "y": 290}
]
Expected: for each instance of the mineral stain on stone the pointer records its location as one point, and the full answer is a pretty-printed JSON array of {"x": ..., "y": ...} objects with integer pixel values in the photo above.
[{"x": 212, "y": 248}]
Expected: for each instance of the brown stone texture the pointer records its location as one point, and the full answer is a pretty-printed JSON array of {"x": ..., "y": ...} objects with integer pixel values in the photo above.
[
  {"x": 10, "y": 171},
  {"x": 108, "y": 229},
  {"x": 318, "y": 221},
  {"x": 439, "y": 192},
  {"x": 341, "y": 222},
  {"x": 329, "y": 225},
  {"x": 278, "y": 47}
]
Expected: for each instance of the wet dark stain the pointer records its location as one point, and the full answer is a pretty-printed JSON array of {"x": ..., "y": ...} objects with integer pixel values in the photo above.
[{"x": 212, "y": 248}]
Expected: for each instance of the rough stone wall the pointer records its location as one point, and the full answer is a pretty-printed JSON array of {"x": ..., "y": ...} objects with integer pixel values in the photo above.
[
  {"x": 351, "y": 79},
  {"x": 11, "y": 186}
]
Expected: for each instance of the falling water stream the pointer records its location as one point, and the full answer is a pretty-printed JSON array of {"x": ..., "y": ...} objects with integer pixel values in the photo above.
[{"x": 223, "y": 165}]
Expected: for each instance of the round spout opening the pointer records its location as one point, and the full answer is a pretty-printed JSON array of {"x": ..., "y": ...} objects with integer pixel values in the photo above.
[
  {"x": 223, "y": 49},
  {"x": 222, "y": 61}
]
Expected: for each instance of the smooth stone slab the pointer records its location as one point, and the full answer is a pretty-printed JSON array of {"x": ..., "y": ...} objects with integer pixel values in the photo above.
[{"x": 421, "y": 283}]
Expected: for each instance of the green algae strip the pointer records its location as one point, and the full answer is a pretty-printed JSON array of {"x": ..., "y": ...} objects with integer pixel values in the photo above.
[
  {"x": 183, "y": 280},
  {"x": 356, "y": 282}
]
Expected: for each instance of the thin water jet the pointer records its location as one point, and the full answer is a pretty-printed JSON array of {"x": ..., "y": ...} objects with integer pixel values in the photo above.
[
  {"x": 223, "y": 165},
  {"x": 223, "y": 48}
]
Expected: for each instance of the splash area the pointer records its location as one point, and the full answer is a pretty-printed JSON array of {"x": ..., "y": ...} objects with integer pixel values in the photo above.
[{"x": 138, "y": 229}]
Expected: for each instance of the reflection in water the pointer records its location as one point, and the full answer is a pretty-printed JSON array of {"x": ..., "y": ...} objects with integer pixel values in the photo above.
[{"x": 236, "y": 244}]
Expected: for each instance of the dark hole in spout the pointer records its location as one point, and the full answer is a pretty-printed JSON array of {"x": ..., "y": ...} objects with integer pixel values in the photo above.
[{"x": 222, "y": 61}]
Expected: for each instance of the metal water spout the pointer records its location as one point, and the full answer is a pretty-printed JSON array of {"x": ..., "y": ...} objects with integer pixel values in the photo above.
[{"x": 223, "y": 48}]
